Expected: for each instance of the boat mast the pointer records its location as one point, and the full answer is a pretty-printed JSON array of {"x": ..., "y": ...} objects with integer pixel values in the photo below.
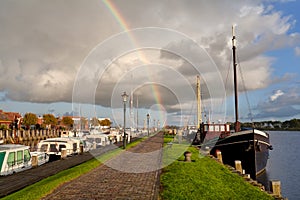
[
  {"x": 237, "y": 123},
  {"x": 137, "y": 112},
  {"x": 199, "y": 118}
]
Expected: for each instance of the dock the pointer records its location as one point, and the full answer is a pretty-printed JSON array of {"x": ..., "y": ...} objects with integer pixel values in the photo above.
[
  {"x": 104, "y": 182},
  {"x": 12, "y": 183},
  {"x": 110, "y": 182}
]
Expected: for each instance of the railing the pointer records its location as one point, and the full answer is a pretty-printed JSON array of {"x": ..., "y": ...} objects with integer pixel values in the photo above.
[{"x": 15, "y": 136}]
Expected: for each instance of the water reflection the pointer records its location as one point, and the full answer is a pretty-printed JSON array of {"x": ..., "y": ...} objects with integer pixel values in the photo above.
[{"x": 263, "y": 178}]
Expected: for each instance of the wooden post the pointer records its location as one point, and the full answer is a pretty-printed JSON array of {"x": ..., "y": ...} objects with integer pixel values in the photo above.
[
  {"x": 187, "y": 156},
  {"x": 34, "y": 161},
  {"x": 63, "y": 153},
  {"x": 81, "y": 149},
  {"x": 219, "y": 156},
  {"x": 275, "y": 187},
  {"x": 238, "y": 166}
]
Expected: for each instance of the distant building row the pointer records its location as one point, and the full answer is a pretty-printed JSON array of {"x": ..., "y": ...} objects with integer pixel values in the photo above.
[{"x": 14, "y": 120}]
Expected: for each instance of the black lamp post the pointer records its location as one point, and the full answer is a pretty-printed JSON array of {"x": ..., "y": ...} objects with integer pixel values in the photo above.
[
  {"x": 148, "y": 118},
  {"x": 124, "y": 96}
]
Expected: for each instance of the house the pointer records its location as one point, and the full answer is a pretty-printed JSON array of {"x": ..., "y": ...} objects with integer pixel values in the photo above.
[{"x": 10, "y": 119}]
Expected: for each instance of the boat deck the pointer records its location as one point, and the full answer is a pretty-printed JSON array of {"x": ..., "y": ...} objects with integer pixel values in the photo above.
[{"x": 15, "y": 182}]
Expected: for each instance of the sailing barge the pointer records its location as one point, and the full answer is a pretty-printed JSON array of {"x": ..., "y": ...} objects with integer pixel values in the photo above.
[{"x": 250, "y": 146}]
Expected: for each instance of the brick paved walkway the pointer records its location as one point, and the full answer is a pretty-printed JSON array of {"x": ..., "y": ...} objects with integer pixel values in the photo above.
[{"x": 134, "y": 174}]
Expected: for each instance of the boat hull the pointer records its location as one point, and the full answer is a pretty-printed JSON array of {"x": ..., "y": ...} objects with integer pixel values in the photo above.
[{"x": 251, "y": 147}]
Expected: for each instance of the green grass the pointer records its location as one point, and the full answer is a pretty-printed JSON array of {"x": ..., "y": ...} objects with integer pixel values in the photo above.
[
  {"x": 48, "y": 185},
  {"x": 204, "y": 178}
]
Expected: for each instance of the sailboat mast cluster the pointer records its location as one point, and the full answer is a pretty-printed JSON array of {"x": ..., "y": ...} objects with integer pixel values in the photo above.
[{"x": 250, "y": 146}]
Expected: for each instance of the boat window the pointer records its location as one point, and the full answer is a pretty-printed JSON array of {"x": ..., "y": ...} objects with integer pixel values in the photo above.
[
  {"x": 217, "y": 128},
  {"x": 26, "y": 155},
  {"x": 62, "y": 146},
  {"x": 11, "y": 159},
  {"x": 205, "y": 128},
  {"x": 227, "y": 127},
  {"x": 19, "y": 157},
  {"x": 2, "y": 156},
  {"x": 44, "y": 148},
  {"x": 74, "y": 146},
  {"x": 211, "y": 128},
  {"x": 222, "y": 128},
  {"x": 53, "y": 148}
]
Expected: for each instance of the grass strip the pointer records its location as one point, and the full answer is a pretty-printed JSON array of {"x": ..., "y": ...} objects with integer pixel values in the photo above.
[{"x": 203, "y": 178}]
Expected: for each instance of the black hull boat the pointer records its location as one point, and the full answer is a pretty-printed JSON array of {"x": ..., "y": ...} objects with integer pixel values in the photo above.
[{"x": 251, "y": 147}]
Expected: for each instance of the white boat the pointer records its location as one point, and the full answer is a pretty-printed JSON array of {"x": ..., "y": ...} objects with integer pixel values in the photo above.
[
  {"x": 14, "y": 158},
  {"x": 54, "y": 146},
  {"x": 42, "y": 157},
  {"x": 97, "y": 140}
]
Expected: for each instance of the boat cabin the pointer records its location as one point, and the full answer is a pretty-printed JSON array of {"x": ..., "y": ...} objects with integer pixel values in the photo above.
[
  {"x": 54, "y": 146},
  {"x": 14, "y": 158},
  {"x": 211, "y": 131}
]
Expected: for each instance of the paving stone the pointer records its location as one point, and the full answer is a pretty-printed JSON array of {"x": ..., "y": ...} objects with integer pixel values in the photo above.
[{"x": 133, "y": 174}]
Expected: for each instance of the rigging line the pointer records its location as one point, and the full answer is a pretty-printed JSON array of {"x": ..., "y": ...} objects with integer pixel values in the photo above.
[
  {"x": 246, "y": 91},
  {"x": 226, "y": 82},
  {"x": 189, "y": 115}
]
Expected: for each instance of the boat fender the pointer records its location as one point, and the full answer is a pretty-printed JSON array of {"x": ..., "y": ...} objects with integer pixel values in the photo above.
[
  {"x": 270, "y": 147},
  {"x": 250, "y": 146},
  {"x": 216, "y": 152},
  {"x": 258, "y": 148}
]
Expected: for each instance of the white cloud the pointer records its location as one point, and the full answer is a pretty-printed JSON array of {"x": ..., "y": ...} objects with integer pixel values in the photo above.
[
  {"x": 277, "y": 94},
  {"x": 43, "y": 44},
  {"x": 283, "y": 103}
]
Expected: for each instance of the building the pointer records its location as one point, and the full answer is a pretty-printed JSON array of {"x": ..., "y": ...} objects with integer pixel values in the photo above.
[{"x": 10, "y": 119}]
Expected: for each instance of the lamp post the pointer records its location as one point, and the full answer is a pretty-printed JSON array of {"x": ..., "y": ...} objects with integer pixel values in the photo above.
[
  {"x": 148, "y": 118},
  {"x": 124, "y": 97}
]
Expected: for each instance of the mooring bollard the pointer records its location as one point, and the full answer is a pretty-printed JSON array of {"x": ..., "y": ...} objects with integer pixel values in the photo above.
[
  {"x": 63, "y": 153},
  {"x": 81, "y": 149},
  {"x": 276, "y": 187},
  {"x": 238, "y": 166},
  {"x": 187, "y": 156},
  {"x": 219, "y": 156},
  {"x": 34, "y": 160}
]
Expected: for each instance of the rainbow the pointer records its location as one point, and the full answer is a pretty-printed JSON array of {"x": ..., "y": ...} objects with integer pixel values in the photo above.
[
  {"x": 125, "y": 26},
  {"x": 116, "y": 13}
]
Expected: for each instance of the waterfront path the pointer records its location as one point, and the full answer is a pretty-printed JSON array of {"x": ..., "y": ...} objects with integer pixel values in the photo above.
[
  {"x": 133, "y": 174},
  {"x": 15, "y": 182}
]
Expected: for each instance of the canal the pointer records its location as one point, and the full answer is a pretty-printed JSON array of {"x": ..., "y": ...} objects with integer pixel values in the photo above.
[{"x": 284, "y": 162}]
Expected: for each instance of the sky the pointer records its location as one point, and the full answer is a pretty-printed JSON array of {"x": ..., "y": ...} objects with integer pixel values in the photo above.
[{"x": 77, "y": 57}]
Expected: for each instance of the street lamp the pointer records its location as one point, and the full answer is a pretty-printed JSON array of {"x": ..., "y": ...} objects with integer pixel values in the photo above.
[
  {"x": 124, "y": 96},
  {"x": 148, "y": 118}
]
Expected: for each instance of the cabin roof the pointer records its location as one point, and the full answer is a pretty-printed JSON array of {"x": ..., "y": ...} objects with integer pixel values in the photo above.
[{"x": 12, "y": 146}]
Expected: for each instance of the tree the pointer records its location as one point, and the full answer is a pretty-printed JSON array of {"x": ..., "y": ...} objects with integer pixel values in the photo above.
[
  {"x": 30, "y": 119},
  {"x": 105, "y": 122},
  {"x": 95, "y": 122},
  {"x": 49, "y": 119},
  {"x": 68, "y": 121}
]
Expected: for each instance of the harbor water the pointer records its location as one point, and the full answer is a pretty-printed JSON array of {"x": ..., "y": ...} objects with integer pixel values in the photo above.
[{"x": 284, "y": 162}]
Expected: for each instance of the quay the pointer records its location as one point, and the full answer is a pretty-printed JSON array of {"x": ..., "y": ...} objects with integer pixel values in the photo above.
[
  {"x": 17, "y": 181},
  {"x": 105, "y": 181},
  {"x": 126, "y": 176},
  {"x": 116, "y": 180}
]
